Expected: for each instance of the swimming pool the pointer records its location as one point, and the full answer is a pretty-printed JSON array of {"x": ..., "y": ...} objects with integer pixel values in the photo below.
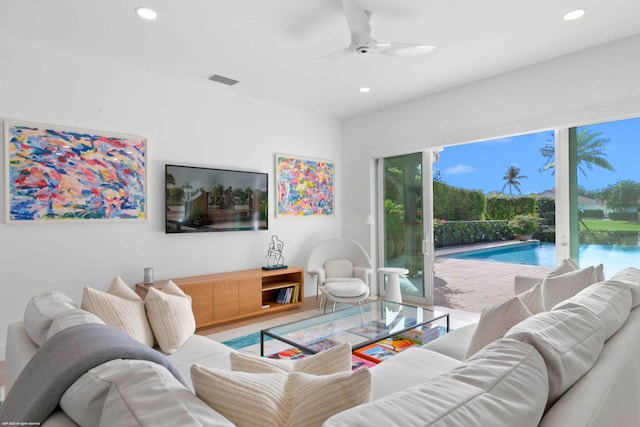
[{"x": 613, "y": 257}]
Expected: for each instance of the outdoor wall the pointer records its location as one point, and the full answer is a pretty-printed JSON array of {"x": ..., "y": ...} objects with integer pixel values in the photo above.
[
  {"x": 593, "y": 85},
  {"x": 192, "y": 124}
]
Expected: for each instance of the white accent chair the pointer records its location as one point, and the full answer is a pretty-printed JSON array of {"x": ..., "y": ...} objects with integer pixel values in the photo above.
[{"x": 342, "y": 269}]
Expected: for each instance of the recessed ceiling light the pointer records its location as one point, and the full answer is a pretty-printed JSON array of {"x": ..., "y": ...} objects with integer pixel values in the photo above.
[
  {"x": 146, "y": 13},
  {"x": 574, "y": 14},
  {"x": 365, "y": 89}
]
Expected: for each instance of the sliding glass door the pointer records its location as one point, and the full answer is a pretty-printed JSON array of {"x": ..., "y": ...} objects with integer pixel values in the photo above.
[
  {"x": 406, "y": 227},
  {"x": 605, "y": 194}
]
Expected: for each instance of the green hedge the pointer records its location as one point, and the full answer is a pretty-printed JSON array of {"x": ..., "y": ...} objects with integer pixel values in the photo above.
[
  {"x": 457, "y": 204},
  {"x": 504, "y": 207},
  {"x": 629, "y": 238},
  {"x": 623, "y": 216},
  {"x": 455, "y": 233}
]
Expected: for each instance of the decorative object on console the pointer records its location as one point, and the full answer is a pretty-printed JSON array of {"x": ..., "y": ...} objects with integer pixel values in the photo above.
[
  {"x": 148, "y": 276},
  {"x": 199, "y": 199},
  {"x": 275, "y": 259},
  {"x": 59, "y": 173},
  {"x": 304, "y": 186}
]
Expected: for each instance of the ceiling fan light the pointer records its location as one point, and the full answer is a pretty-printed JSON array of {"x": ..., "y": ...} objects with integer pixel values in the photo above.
[
  {"x": 146, "y": 13},
  {"x": 574, "y": 14},
  {"x": 364, "y": 89}
]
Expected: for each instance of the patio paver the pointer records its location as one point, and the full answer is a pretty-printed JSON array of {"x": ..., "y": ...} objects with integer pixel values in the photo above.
[{"x": 472, "y": 285}]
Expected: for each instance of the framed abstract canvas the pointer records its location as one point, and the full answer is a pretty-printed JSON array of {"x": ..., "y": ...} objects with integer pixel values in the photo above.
[
  {"x": 304, "y": 186},
  {"x": 53, "y": 173}
]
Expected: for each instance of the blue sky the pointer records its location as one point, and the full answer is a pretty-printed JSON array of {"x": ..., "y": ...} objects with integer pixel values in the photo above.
[{"x": 481, "y": 166}]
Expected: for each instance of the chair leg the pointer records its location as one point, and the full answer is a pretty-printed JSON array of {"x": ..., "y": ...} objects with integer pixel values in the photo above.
[{"x": 361, "y": 313}]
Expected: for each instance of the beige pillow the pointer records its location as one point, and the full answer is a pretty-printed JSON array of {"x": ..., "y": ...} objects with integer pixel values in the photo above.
[
  {"x": 121, "y": 308},
  {"x": 558, "y": 288},
  {"x": 170, "y": 316},
  {"x": 331, "y": 361},
  {"x": 496, "y": 321},
  {"x": 282, "y": 398},
  {"x": 532, "y": 299}
]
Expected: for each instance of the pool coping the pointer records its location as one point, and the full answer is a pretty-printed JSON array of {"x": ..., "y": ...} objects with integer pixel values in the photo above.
[{"x": 478, "y": 246}]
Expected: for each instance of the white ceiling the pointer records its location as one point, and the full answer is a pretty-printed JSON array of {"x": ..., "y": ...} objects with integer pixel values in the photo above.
[{"x": 270, "y": 45}]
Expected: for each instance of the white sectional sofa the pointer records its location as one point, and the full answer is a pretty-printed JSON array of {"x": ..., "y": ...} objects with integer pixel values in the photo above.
[{"x": 574, "y": 364}]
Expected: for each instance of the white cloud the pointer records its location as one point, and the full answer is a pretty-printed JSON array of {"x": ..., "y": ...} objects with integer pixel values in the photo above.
[{"x": 458, "y": 169}]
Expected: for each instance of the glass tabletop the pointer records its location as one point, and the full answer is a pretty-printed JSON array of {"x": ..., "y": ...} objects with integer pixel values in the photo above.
[{"x": 357, "y": 325}]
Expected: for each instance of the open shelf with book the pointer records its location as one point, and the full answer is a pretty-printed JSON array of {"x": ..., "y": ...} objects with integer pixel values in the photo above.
[{"x": 225, "y": 297}]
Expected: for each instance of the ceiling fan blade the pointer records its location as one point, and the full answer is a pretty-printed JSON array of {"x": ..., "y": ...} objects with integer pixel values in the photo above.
[
  {"x": 357, "y": 17},
  {"x": 341, "y": 52},
  {"x": 403, "y": 49}
]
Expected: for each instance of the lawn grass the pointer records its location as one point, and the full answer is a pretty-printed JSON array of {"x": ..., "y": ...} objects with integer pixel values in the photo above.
[{"x": 610, "y": 225}]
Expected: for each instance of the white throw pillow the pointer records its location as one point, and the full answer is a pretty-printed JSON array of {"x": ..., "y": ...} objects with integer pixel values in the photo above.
[
  {"x": 40, "y": 312},
  {"x": 569, "y": 341},
  {"x": 504, "y": 384},
  {"x": 70, "y": 318},
  {"x": 609, "y": 300},
  {"x": 282, "y": 398},
  {"x": 567, "y": 265},
  {"x": 150, "y": 396},
  {"x": 532, "y": 299},
  {"x": 170, "y": 316},
  {"x": 558, "y": 288},
  {"x": 496, "y": 321},
  {"x": 121, "y": 308},
  {"x": 331, "y": 361},
  {"x": 630, "y": 276},
  {"x": 84, "y": 399}
]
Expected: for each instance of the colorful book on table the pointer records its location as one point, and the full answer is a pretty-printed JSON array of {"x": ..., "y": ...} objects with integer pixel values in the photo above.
[
  {"x": 358, "y": 362},
  {"x": 375, "y": 352},
  {"x": 397, "y": 343}
]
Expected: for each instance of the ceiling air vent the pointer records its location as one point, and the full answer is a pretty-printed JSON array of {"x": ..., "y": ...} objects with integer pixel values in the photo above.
[{"x": 222, "y": 79}]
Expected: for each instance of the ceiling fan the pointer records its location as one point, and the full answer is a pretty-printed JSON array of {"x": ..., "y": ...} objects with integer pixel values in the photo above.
[{"x": 361, "y": 41}]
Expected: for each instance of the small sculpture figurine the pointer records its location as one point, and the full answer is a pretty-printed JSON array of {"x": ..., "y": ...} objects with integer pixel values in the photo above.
[{"x": 274, "y": 257}]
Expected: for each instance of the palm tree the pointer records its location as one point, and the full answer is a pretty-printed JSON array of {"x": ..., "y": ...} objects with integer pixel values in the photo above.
[
  {"x": 512, "y": 177},
  {"x": 591, "y": 149}
]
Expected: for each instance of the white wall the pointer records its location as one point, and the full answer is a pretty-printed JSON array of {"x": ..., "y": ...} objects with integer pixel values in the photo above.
[
  {"x": 184, "y": 123},
  {"x": 598, "y": 84}
]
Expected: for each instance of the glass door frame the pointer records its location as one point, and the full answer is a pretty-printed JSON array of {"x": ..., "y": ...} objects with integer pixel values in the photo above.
[{"x": 427, "y": 224}]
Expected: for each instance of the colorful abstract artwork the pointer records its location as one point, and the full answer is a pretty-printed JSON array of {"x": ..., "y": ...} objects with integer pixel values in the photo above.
[
  {"x": 55, "y": 173},
  {"x": 304, "y": 186}
]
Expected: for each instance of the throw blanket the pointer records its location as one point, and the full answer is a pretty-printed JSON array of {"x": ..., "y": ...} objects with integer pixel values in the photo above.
[{"x": 63, "y": 359}]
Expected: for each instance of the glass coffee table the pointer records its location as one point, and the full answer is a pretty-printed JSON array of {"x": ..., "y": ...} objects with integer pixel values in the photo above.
[{"x": 359, "y": 325}]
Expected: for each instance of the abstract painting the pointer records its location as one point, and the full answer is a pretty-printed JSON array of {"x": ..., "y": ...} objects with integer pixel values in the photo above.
[
  {"x": 54, "y": 173},
  {"x": 304, "y": 186}
]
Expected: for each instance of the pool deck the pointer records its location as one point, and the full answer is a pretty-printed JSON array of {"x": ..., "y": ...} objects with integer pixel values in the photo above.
[{"x": 472, "y": 285}]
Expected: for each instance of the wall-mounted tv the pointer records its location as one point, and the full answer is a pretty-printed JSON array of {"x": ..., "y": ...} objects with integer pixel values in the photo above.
[{"x": 199, "y": 199}]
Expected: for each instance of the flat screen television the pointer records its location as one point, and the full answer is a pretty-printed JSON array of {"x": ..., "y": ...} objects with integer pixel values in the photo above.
[{"x": 199, "y": 199}]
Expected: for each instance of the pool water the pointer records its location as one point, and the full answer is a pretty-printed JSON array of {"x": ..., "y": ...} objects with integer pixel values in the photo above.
[{"x": 613, "y": 257}]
